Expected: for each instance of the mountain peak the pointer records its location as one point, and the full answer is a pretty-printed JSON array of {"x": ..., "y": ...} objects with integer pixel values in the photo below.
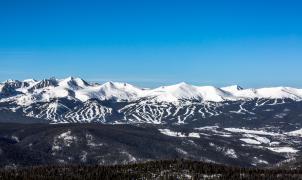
[
  {"x": 183, "y": 84},
  {"x": 30, "y": 81},
  {"x": 8, "y": 81},
  {"x": 232, "y": 88},
  {"x": 73, "y": 83}
]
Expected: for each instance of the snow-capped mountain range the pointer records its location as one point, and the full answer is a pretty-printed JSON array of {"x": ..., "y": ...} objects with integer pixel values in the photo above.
[
  {"x": 76, "y": 100},
  {"x": 31, "y": 91}
]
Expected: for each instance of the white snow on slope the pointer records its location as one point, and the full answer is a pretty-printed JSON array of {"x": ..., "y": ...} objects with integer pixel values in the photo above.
[
  {"x": 269, "y": 93},
  {"x": 262, "y": 140},
  {"x": 233, "y": 88},
  {"x": 194, "y": 135},
  {"x": 174, "y": 93},
  {"x": 42, "y": 95},
  {"x": 169, "y": 132},
  {"x": 250, "y": 141},
  {"x": 210, "y": 93},
  {"x": 63, "y": 140},
  {"x": 283, "y": 149},
  {"x": 73, "y": 83},
  {"x": 247, "y": 131},
  {"x": 295, "y": 133},
  {"x": 110, "y": 90},
  {"x": 121, "y": 91},
  {"x": 188, "y": 92}
]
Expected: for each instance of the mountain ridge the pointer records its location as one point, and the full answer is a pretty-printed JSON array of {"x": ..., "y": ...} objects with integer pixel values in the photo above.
[
  {"x": 74, "y": 100},
  {"x": 78, "y": 88}
]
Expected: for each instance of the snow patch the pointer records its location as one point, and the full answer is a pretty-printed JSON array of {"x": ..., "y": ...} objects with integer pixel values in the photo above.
[
  {"x": 83, "y": 156},
  {"x": 181, "y": 151},
  {"x": 250, "y": 141},
  {"x": 262, "y": 140},
  {"x": 226, "y": 151},
  {"x": 91, "y": 142},
  {"x": 247, "y": 131},
  {"x": 15, "y": 138},
  {"x": 168, "y": 132},
  {"x": 131, "y": 158},
  {"x": 63, "y": 140},
  {"x": 283, "y": 149},
  {"x": 194, "y": 135},
  {"x": 295, "y": 133},
  {"x": 231, "y": 153}
]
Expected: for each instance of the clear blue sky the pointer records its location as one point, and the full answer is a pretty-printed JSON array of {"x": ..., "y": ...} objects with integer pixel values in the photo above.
[{"x": 153, "y": 42}]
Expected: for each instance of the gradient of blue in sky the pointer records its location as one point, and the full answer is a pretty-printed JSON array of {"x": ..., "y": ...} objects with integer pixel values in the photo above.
[{"x": 252, "y": 43}]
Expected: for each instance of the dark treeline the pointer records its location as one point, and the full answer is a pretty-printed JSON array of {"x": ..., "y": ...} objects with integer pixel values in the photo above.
[{"x": 169, "y": 169}]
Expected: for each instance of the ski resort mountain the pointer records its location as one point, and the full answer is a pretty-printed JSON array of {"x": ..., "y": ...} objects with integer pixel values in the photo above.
[
  {"x": 76, "y": 100},
  {"x": 229, "y": 125},
  {"x": 80, "y": 89}
]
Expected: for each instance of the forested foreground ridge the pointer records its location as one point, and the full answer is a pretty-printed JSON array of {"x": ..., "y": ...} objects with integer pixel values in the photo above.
[{"x": 166, "y": 169}]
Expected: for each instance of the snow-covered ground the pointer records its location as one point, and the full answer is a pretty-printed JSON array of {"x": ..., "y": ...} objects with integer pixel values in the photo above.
[
  {"x": 280, "y": 143},
  {"x": 283, "y": 149},
  {"x": 248, "y": 131},
  {"x": 169, "y": 132},
  {"x": 64, "y": 139},
  {"x": 296, "y": 133}
]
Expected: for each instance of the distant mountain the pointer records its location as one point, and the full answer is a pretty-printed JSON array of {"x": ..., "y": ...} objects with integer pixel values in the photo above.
[
  {"x": 76, "y": 100},
  {"x": 80, "y": 89}
]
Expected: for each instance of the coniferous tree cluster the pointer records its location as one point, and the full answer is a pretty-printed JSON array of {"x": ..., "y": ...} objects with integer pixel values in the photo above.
[{"x": 169, "y": 169}]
